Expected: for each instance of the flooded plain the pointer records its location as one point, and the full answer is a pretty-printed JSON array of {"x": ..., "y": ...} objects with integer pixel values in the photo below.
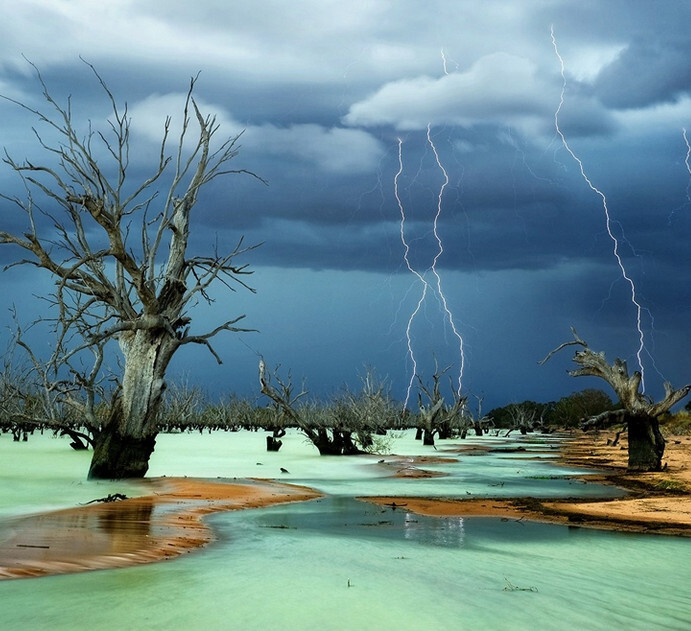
[{"x": 340, "y": 563}]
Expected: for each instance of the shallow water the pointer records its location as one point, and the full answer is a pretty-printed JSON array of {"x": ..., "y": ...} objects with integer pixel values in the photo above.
[{"x": 338, "y": 563}]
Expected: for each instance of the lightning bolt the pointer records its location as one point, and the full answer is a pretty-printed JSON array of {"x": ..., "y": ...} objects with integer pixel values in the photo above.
[
  {"x": 686, "y": 159},
  {"x": 687, "y": 164},
  {"x": 406, "y": 258},
  {"x": 433, "y": 268},
  {"x": 426, "y": 287},
  {"x": 440, "y": 251},
  {"x": 608, "y": 219},
  {"x": 443, "y": 62}
]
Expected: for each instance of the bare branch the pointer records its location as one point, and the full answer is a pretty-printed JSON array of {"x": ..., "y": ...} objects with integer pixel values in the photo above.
[
  {"x": 627, "y": 387},
  {"x": 576, "y": 341},
  {"x": 118, "y": 251}
]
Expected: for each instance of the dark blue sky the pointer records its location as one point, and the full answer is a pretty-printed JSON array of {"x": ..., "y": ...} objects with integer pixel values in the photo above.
[{"x": 326, "y": 93}]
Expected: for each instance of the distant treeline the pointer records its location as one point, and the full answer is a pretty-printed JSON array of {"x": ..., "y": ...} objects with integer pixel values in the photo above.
[{"x": 362, "y": 414}]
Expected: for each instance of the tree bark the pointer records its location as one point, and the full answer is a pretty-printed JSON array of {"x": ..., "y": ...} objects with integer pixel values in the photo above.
[
  {"x": 332, "y": 442},
  {"x": 273, "y": 444},
  {"x": 117, "y": 457},
  {"x": 125, "y": 443},
  {"x": 444, "y": 430},
  {"x": 646, "y": 443}
]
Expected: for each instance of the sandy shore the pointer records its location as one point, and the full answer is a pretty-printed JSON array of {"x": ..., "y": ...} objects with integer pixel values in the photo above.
[
  {"x": 166, "y": 523},
  {"x": 654, "y": 502}
]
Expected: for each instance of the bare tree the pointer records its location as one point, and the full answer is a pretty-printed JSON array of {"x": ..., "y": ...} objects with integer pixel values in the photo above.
[
  {"x": 181, "y": 407},
  {"x": 118, "y": 250},
  {"x": 523, "y": 417},
  {"x": 31, "y": 398},
  {"x": 437, "y": 417},
  {"x": 367, "y": 412},
  {"x": 289, "y": 410},
  {"x": 345, "y": 426},
  {"x": 640, "y": 413}
]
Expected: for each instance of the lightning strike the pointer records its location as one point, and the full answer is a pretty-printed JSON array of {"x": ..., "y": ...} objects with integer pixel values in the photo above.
[
  {"x": 406, "y": 258},
  {"x": 440, "y": 251},
  {"x": 433, "y": 267},
  {"x": 686, "y": 159},
  {"x": 426, "y": 287},
  {"x": 608, "y": 219},
  {"x": 443, "y": 62}
]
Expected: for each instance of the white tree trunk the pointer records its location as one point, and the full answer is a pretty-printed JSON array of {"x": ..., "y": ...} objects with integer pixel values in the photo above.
[{"x": 125, "y": 443}]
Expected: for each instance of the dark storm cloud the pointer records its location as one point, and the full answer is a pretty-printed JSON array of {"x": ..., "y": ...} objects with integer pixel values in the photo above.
[
  {"x": 323, "y": 92},
  {"x": 647, "y": 72}
]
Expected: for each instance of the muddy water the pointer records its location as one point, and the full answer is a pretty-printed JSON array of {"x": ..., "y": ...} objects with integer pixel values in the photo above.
[{"x": 337, "y": 563}]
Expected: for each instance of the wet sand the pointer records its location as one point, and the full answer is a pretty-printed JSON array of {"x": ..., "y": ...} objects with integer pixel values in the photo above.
[
  {"x": 655, "y": 502},
  {"x": 157, "y": 526}
]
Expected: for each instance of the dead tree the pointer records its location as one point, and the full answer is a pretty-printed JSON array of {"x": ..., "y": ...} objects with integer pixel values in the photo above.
[
  {"x": 330, "y": 441},
  {"x": 640, "y": 413},
  {"x": 436, "y": 417},
  {"x": 31, "y": 399},
  {"x": 340, "y": 429},
  {"x": 118, "y": 250},
  {"x": 523, "y": 417},
  {"x": 369, "y": 411},
  {"x": 480, "y": 420}
]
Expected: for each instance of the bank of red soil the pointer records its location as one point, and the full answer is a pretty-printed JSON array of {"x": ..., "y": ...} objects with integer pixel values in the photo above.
[
  {"x": 654, "y": 502},
  {"x": 157, "y": 526}
]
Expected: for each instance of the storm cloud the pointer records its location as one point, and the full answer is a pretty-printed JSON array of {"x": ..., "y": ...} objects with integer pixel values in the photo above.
[{"x": 335, "y": 103}]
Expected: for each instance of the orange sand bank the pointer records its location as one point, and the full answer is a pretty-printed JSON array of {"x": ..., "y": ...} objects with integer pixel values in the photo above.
[
  {"x": 155, "y": 527},
  {"x": 655, "y": 502}
]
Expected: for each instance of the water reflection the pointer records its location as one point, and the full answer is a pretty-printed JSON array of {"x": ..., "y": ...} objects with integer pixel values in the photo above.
[
  {"x": 353, "y": 519},
  {"x": 70, "y": 538},
  {"x": 447, "y": 532}
]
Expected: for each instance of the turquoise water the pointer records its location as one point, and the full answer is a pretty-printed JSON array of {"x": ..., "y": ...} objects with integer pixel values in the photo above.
[{"x": 338, "y": 563}]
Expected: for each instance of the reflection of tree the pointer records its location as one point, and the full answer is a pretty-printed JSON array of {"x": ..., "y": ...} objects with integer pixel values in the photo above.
[
  {"x": 447, "y": 532},
  {"x": 80, "y": 536},
  {"x": 126, "y": 519}
]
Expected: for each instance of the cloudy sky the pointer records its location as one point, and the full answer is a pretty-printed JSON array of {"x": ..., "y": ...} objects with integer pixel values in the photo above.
[{"x": 454, "y": 107}]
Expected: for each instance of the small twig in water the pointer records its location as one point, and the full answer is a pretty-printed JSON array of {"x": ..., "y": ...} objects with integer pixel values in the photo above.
[{"x": 510, "y": 587}]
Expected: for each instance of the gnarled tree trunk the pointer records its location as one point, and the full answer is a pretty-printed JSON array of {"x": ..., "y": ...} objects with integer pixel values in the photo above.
[
  {"x": 438, "y": 418},
  {"x": 274, "y": 442},
  {"x": 646, "y": 443},
  {"x": 127, "y": 439},
  {"x": 330, "y": 441},
  {"x": 640, "y": 414},
  {"x": 333, "y": 442},
  {"x": 428, "y": 437}
]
